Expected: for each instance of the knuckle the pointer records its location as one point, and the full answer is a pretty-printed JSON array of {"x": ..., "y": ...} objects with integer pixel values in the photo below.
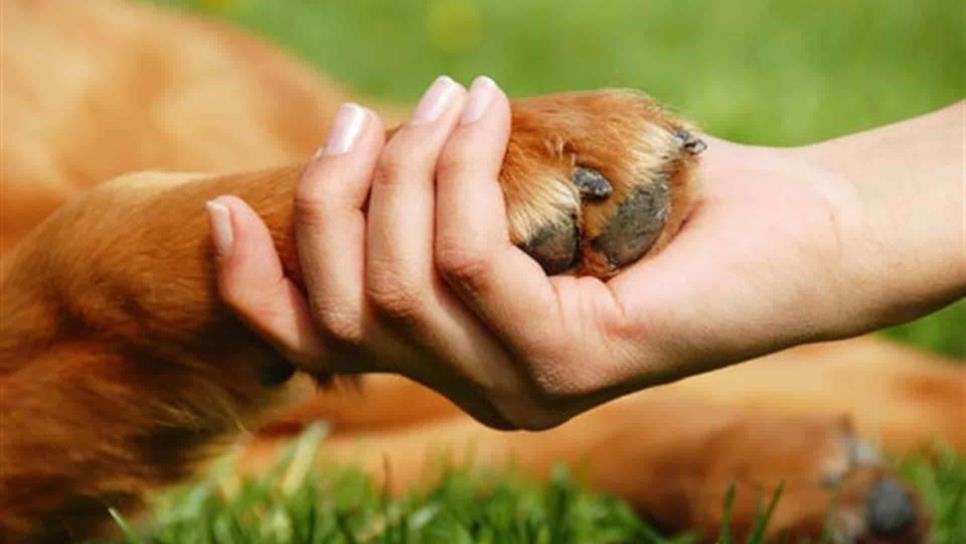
[
  {"x": 451, "y": 162},
  {"x": 461, "y": 264},
  {"x": 548, "y": 387},
  {"x": 393, "y": 295},
  {"x": 341, "y": 326},
  {"x": 407, "y": 152},
  {"x": 392, "y": 164},
  {"x": 309, "y": 205},
  {"x": 559, "y": 380}
]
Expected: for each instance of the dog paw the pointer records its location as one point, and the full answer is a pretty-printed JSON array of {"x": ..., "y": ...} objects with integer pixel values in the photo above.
[
  {"x": 869, "y": 503},
  {"x": 835, "y": 486},
  {"x": 596, "y": 180}
]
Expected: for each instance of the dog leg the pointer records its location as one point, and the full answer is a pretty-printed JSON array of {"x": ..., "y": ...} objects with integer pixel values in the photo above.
[
  {"x": 672, "y": 458},
  {"x": 111, "y": 306},
  {"x": 673, "y": 453}
]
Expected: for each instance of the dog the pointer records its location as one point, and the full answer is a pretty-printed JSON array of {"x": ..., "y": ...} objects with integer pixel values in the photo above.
[{"x": 122, "y": 371}]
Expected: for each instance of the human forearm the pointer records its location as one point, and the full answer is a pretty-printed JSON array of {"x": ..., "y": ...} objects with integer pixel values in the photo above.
[{"x": 903, "y": 224}]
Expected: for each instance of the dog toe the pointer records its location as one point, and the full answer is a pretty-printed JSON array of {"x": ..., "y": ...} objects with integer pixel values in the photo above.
[
  {"x": 555, "y": 246},
  {"x": 891, "y": 509},
  {"x": 634, "y": 226},
  {"x": 591, "y": 183}
]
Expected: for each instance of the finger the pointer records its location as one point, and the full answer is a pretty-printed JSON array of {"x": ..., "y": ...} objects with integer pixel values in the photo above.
[
  {"x": 473, "y": 249},
  {"x": 330, "y": 224},
  {"x": 401, "y": 280},
  {"x": 252, "y": 282},
  {"x": 399, "y": 240}
]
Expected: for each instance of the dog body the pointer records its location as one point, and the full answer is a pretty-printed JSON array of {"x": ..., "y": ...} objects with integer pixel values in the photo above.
[{"x": 121, "y": 369}]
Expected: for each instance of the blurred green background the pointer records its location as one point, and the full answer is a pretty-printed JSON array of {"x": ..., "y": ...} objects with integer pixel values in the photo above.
[{"x": 771, "y": 72}]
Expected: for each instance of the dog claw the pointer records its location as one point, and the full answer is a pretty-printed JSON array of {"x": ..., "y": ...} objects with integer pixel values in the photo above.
[
  {"x": 691, "y": 143},
  {"x": 591, "y": 183}
]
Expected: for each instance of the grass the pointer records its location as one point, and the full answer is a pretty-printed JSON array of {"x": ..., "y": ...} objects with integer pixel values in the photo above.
[
  {"x": 770, "y": 72},
  {"x": 941, "y": 480},
  {"x": 293, "y": 504}
]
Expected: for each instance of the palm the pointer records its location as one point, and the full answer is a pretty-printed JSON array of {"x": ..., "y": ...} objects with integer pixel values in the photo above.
[{"x": 750, "y": 255}]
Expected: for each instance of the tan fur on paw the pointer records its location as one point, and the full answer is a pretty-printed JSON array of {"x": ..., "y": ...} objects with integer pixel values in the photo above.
[{"x": 596, "y": 180}]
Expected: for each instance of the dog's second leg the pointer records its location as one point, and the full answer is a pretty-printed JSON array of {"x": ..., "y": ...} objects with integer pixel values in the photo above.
[{"x": 672, "y": 457}]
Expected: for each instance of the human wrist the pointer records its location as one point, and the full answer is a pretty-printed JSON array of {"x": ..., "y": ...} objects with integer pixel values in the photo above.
[
  {"x": 838, "y": 264},
  {"x": 900, "y": 218},
  {"x": 779, "y": 216}
]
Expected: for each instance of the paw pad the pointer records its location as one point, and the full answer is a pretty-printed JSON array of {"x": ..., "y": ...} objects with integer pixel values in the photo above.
[{"x": 635, "y": 225}]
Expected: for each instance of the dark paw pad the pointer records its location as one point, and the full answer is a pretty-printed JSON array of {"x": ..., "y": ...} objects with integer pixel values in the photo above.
[
  {"x": 555, "y": 247},
  {"x": 636, "y": 225},
  {"x": 891, "y": 509}
]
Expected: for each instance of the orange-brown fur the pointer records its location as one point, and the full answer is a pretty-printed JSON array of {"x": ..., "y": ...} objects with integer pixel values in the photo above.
[{"x": 120, "y": 369}]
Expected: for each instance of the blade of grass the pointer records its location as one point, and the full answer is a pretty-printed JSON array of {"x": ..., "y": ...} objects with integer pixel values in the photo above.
[
  {"x": 129, "y": 532},
  {"x": 757, "y": 535},
  {"x": 724, "y": 534}
]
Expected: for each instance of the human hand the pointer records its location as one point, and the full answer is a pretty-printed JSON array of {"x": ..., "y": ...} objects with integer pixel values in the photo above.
[
  {"x": 375, "y": 301},
  {"x": 427, "y": 283}
]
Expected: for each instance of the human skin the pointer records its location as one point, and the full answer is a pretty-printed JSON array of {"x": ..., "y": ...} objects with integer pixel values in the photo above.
[{"x": 785, "y": 246}]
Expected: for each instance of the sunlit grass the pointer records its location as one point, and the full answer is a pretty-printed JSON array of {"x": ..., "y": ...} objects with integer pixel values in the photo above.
[
  {"x": 341, "y": 505},
  {"x": 941, "y": 480},
  {"x": 299, "y": 502}
]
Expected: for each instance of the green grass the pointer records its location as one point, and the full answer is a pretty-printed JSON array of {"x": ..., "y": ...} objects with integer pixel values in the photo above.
[
  {"x": 943, "y": 331},
  {"x": 941, "y": 480},
  {"x": 289, "y": 504},
  {"x": 299, "y": 503},
  {"x": 772, "y": 72}
]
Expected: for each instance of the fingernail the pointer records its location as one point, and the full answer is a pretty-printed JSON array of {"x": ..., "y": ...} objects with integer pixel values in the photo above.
[
  {"x": 348, "y": 124},
  {"x": 481, "y": 94},
  {"x": 435, "y": 101},
  {"x": 219, "y": 216}
]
